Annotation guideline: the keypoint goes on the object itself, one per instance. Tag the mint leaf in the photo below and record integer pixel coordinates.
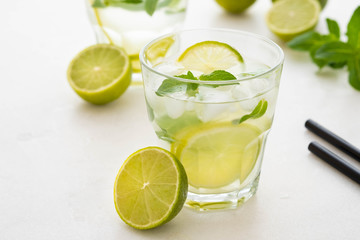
(305, 41)
(319, 62)
(217, 75)
(173, 85)
(115, 3)
(258, 112)
(98, 4)
(150, 6)
(353, 29)
(354, 72)
(333, 27)
(188, 75)
(191, 88)
(170, 86)
(335, 52)
(337, 65)
(164, 135)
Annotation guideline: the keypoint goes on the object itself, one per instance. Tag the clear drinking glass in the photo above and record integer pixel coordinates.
(133, 23)
(216, 128)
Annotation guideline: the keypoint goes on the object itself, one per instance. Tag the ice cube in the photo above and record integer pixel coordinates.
(213, 95)
(174, 108)
(209, 112)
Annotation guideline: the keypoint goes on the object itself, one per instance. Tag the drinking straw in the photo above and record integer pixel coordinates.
(335, 161)
(334, 139)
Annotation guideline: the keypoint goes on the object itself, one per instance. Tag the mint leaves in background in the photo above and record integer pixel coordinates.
(173, 85)
(148, 5)
(258, 112)
(329, 50)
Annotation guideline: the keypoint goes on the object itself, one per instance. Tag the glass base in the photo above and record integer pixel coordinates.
(230, 200)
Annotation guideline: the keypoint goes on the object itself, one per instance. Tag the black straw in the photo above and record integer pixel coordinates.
(334, 139)
(335, 161)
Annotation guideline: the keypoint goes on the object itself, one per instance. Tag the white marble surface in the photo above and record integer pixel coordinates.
(59, 155)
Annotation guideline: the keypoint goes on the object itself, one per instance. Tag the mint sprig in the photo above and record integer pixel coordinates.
(148, 5)
(329, 50)
(173, 85)
(258, 112)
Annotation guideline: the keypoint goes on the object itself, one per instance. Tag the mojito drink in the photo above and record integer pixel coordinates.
(212, 106)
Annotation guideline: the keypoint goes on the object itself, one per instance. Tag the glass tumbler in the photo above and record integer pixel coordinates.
(217, 128)
(132, 23)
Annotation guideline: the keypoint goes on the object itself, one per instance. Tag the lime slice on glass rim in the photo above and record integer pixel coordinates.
(100, 73)
(215, 155)
(290, 18)
(150, 188)
(209, 56)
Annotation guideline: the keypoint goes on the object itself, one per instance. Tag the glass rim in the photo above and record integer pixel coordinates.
(279, 62)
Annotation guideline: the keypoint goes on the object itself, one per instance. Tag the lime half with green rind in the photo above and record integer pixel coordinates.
(100, 74)
(235, 6)
(150, 188)
(290, 18)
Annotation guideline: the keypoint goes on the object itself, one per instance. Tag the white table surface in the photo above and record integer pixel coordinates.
(59, 155)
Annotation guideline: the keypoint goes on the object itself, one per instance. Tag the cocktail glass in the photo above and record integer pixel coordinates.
(132, 23)
(217, 128)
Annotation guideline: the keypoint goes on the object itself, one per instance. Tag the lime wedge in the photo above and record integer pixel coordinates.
(216, 155)
(100, 73)
(290, 18)
(209, 56)
(150, 188)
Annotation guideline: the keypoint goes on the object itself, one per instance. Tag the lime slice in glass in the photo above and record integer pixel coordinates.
(216, 155)
(290, 18)
(100, 74)
(158, 50)
(150, 188)
(209, 56)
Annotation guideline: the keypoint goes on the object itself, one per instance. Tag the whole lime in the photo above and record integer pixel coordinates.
(235, 6)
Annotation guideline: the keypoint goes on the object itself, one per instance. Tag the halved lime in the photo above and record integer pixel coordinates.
(100, 73)
(236, 6)
(216, 155)
(209, 56)
(150, 188)
(322, 2)
(290, 18)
